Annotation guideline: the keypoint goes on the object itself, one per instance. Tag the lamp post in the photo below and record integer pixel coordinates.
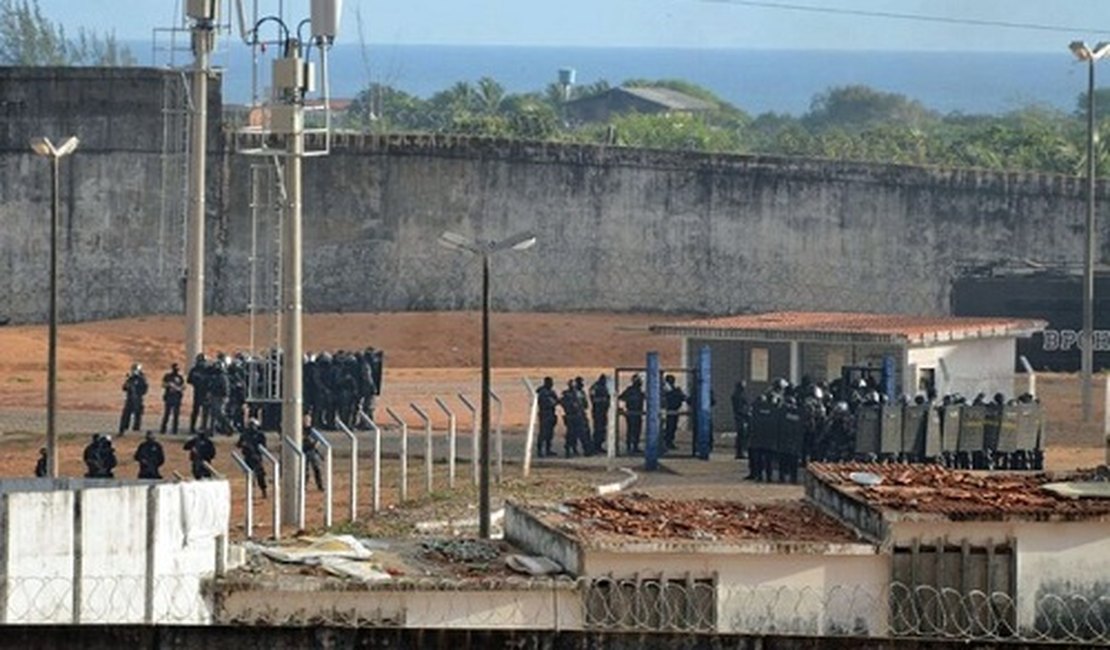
(44, 147)
(1091, 56)
(485, 249)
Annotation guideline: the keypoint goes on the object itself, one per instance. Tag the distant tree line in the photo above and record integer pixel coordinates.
(844, 123)
(28, 38)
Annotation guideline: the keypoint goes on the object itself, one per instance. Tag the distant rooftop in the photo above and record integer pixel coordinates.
(672, 99)
(856, 327)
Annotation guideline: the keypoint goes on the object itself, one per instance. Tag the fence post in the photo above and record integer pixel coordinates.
(377, 486)
(353, 467)
(473, 437)
(500, 438)
(429, 451)
(327, 474)
(276, 465)
(404, 452)
(612, 440)
(249, 474)
(530, 435)
(452, 441)
(1031, 376)
(299, 455)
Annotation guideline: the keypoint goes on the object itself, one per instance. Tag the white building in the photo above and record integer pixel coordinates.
(952, 355)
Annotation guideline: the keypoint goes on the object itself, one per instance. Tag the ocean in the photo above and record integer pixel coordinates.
(757, 81)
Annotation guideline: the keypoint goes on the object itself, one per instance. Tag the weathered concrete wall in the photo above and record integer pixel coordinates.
(120, 238)
(634, 230)
(618, 228)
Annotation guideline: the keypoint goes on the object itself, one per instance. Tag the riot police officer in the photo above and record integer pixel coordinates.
(600, 399)
(100, 457)
(741, 416)
(150, 457)
(173, 389)
(634, 399)
(251, 442)
(134, 388)
(198, 379)
(674, 398)
(573, 416)
(546, 401)
(311, 450)
(201, 453)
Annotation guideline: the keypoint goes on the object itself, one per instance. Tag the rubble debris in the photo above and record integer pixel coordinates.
(533, 565)
(935, 489)
(643, 517)
(461, 551)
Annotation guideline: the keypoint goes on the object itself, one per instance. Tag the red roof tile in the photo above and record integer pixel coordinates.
(891, 327)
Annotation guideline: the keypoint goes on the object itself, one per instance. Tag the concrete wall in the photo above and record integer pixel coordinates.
(618, 229)
(969, 367)
(1068, 561)
(102, 552)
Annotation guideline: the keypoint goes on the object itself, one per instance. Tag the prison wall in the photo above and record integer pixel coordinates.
(618, 229)
(630, 230)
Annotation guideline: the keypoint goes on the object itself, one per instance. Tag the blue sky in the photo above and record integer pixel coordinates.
(653, 23)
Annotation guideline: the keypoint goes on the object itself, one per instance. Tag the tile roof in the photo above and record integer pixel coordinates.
(959, 495)
(852, 326)
(638, 517)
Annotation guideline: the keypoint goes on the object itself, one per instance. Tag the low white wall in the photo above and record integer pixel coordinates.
(38, 541)
(120, 553)
(788, 593)
(968, 367)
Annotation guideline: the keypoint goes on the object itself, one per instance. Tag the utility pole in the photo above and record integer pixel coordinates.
(204, 14)
(292, 77)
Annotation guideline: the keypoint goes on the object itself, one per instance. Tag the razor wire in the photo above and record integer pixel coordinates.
(682, 605)
(98, 600)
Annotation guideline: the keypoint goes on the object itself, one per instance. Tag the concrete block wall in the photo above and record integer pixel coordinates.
(618, 229)
(106, 552)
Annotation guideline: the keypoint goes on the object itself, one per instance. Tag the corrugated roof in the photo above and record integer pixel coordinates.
(672, 99)
(893, 328)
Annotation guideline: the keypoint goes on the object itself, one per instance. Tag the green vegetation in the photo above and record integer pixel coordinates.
(843, 123)
(27, 37)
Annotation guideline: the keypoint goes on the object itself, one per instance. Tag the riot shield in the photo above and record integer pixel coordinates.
(972, 429)
(934, 437)
(1008, 427)
(890, 430)
(792, 433)
(950, 427)
(1028, 426)
(992, 426)
(914, 418)
(868, 424)
(762, 428)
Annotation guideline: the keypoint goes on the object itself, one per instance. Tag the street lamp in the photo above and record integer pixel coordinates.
(44, 147)
(485, 249)
(1091, 56)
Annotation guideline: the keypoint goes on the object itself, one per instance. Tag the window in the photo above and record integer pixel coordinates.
(761, 364)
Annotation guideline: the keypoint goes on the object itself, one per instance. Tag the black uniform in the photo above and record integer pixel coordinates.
(599, 411)
(150, 457)
(634, 399)
(311, 449)
(546, 401)
(198, 379)
(574, 418)
(173, 389)
(219, 390)
(251, 442)
(100, 458)
(201, 451)
(40, 466)
(134, 388)
(674, 398)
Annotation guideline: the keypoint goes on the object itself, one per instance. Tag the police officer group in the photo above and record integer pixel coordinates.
(586, 414)
(787, 426)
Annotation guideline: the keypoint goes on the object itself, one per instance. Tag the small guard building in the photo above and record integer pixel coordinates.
(950, 354)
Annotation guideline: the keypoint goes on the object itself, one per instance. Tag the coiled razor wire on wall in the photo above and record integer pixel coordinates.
(103, 600)
(604, 604)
